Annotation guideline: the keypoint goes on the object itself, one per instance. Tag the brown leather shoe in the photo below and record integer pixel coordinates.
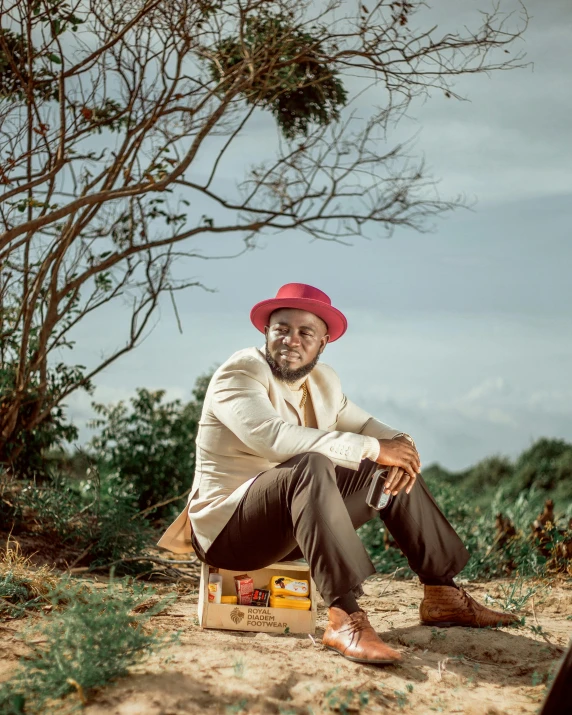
(444, 606)
(353, 637)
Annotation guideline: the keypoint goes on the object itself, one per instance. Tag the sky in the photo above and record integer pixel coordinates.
(462, 336)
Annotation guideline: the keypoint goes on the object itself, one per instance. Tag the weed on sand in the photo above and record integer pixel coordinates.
(96, 637)
(22, 587)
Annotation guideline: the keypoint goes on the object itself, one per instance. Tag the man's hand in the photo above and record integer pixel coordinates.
(396, 480)
(403, 459)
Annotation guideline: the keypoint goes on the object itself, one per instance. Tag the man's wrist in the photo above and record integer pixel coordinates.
(406, 436)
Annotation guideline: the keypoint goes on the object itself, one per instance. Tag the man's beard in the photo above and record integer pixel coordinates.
(285, 374)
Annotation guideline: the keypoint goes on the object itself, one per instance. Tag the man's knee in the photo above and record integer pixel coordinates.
(313, 470)
(317, 463)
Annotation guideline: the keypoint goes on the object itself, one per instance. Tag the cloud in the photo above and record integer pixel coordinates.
(490, 387)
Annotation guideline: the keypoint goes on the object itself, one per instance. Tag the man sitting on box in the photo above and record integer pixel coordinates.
(284, 462)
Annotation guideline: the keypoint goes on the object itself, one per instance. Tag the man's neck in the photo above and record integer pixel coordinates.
(295, 386)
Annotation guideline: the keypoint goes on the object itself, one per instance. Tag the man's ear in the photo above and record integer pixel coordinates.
(327, 339)
(266, 329)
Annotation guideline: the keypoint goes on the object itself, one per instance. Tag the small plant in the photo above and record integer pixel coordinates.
(22, 587)
(515, 595)
(401, 698)
(346, 700)
(439, 635)
(92, 641)
(238, 667)
(439, 705)
(471, 680)
(539, 631)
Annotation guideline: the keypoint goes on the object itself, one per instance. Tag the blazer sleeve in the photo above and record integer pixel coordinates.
(352, 418)
(240, 401)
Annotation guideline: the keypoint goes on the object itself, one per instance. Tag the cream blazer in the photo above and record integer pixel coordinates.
(250, 423)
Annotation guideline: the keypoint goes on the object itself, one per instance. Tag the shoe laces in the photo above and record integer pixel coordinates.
(469, 601)
(359, 621)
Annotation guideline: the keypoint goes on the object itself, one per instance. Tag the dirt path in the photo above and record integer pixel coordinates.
(455, 670)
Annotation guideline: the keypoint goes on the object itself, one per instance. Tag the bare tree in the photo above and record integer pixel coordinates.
(105, 107)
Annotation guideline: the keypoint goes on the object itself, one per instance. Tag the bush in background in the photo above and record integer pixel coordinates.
(90, 517)
(144, 455)
(32, 403)
(546, 466)
(502, 532)
(148, 451)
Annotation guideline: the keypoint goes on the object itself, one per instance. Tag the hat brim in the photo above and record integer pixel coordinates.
(332, 317)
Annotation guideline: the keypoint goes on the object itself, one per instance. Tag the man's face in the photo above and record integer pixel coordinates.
(294, 341)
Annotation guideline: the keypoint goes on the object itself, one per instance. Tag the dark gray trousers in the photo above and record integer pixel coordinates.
(309, 508)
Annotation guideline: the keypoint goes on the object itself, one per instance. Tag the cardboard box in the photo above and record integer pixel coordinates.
(255, 618)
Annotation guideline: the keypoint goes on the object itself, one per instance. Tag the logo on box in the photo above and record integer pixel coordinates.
(237, 615)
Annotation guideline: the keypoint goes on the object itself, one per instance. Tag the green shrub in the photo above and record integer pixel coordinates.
(40, 422)
(95, 516)
(492, 472)
(472, 499)
(96, 638)
(118, 531)
(93, 500)
(17, 595)
(149, 450)
(490, 559)
(546, 465)
(436, 474)
(523, 553)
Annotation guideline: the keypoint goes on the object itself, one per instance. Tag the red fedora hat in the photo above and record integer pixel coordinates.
(302, 297)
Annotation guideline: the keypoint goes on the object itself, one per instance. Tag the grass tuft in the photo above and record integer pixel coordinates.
(22, 586)
(96, 638)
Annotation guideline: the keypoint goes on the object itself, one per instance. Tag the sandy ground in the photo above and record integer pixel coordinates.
(453, 670)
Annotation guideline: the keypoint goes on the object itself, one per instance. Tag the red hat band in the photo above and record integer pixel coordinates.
(302, 297)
